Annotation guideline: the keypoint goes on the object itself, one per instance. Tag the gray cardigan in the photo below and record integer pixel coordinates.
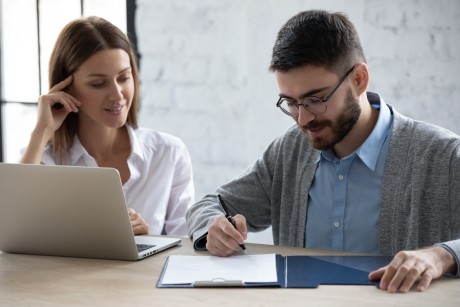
(420, 196)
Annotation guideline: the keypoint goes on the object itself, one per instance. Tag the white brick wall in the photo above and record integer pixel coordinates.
(205, 79)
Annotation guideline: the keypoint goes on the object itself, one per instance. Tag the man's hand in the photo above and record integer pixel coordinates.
(223, 239)
(140, 227)
(408, 267)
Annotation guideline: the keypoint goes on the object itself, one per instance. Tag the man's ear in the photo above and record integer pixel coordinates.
(360, 77)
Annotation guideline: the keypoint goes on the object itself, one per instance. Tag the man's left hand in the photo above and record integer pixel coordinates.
(408, 267)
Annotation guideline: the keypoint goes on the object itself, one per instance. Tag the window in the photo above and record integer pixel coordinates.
(29, 29)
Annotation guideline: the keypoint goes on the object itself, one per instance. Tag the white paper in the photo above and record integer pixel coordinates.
(247, 268)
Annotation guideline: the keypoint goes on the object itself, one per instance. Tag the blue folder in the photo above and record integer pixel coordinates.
(312, 271)
(307, 272)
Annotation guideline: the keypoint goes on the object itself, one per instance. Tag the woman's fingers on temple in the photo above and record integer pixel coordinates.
(62, 85)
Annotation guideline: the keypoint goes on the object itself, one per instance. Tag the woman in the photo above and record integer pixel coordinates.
(89, 118)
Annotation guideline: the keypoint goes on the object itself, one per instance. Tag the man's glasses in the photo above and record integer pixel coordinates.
(313, 104)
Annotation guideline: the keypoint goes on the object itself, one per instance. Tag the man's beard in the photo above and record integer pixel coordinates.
(343, 125)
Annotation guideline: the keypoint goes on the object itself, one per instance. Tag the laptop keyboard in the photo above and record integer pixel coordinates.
(143, 247)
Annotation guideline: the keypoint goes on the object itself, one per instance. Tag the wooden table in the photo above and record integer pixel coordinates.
(28, 280)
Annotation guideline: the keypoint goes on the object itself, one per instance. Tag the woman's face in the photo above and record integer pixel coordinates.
(105, 87)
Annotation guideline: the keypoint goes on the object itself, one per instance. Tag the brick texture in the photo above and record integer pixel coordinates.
(205, 78)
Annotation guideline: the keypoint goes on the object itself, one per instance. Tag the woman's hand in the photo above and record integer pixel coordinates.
(140, 227)
(54, 107)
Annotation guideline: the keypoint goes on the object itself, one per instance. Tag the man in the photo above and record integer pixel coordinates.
(352, 175)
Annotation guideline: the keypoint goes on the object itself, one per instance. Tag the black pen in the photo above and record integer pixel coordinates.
(229, 218)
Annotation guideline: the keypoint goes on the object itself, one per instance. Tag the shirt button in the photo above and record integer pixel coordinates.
(340, 177)
(336, 224)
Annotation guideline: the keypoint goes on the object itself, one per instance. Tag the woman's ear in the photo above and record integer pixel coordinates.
(361, 78)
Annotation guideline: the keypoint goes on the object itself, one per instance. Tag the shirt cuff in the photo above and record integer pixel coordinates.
(456, 257)
(200, 239)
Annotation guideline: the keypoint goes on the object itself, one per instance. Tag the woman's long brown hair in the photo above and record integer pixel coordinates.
(77, 42)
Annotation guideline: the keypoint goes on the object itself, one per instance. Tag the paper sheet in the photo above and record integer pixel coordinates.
(247, 268)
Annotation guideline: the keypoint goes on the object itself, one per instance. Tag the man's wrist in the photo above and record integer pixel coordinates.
(449, 264)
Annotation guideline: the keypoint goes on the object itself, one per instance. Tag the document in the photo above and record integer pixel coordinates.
(269, 270)
(247, 269)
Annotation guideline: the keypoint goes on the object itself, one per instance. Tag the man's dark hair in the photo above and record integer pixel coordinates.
(317, 38)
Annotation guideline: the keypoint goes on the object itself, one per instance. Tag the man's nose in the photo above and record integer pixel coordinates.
(305, 116)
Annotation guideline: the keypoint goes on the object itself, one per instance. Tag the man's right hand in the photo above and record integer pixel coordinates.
(223, 239)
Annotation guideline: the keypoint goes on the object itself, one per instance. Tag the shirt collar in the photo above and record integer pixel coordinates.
(135, 143)
(78, 152)
(369, 151)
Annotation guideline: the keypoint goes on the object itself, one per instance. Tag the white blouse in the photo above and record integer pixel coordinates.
(161, 185)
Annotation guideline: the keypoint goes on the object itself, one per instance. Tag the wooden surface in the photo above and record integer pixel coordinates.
(27, 280)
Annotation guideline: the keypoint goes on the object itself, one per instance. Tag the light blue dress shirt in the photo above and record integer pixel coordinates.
(344, 199)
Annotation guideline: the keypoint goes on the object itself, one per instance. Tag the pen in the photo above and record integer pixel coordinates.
(229, 218)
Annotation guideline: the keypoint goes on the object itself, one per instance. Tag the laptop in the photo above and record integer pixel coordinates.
(69, 211)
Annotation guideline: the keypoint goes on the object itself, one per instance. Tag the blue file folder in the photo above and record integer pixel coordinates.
(306, 272)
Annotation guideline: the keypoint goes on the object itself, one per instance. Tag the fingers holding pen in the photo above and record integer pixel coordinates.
(223, 238)
(240, 225)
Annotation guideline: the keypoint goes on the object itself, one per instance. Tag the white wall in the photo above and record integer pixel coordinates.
(205, 79)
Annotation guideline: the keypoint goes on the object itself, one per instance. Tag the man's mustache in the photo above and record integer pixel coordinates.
(314, 125)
